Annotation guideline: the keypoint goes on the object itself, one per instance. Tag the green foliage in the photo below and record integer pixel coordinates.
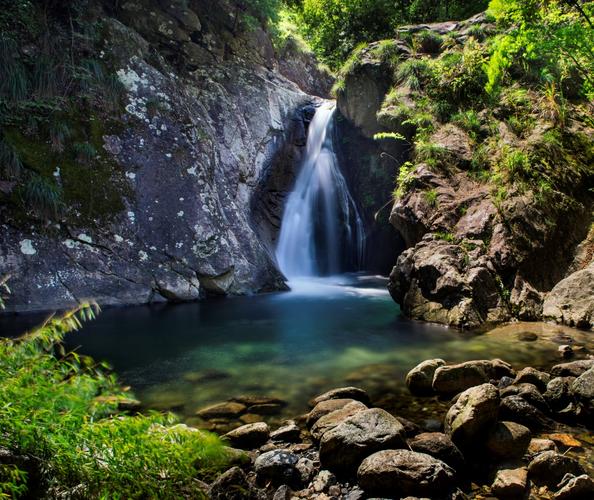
(62, 408)
(11, 165)
(85, 152)
(405, 180)
(381, 136)
(431, 197)
(445, 236)
(414, 73)
(59, 132)
(14, 84)
(428, 42)
(468, 120)
(42, 196)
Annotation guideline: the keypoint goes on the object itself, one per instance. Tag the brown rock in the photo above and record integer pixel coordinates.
(335, 418)
(510, 483)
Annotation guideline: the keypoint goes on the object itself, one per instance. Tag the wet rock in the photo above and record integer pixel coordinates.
(582, 389)
(578, 488)
(289, 433)
(278, 467)
(368, 431)
(558, 394)
(517, 409)
(324, 480)
(510, 483)
(231, 485)
(420, 379)
(325, 407)
(527, 336)
(228, 409)
(342, 393)
(538, 446)
(406, 472)
(473, 414)
(507, 440)
(505, 382)
(572, 369)
(532, 376)
(550, 467)
(566, 440)
(449, 380)
(335, 418)
(306, 469)
(249, 436)
(439, 446)
(529, 392)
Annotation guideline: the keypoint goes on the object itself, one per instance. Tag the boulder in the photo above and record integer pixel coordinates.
(528, 392)
(582, 389)
(507, 440)
(231, 485)
(550, 467)
(439, 446)
(278, 467)
(558, 394)
(420, 379)
(306, 469)
(571, 301)
(406, 472)
(517, 409)
(572, 487)
(325, 407)
(323, 481)
(228, 409)
(289, 433)
(538, 446)
(368, 431)
(572, 369)
(342, 393)
(473, 414)
(532, 376)
(510, 483)
(449, 380)
(249, 437)
(335, 418)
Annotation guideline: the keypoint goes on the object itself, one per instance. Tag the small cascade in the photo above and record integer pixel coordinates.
(321, 233)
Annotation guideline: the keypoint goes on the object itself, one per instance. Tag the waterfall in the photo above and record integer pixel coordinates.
(321, 232)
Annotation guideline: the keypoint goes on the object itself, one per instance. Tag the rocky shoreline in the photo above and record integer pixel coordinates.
(506, 434)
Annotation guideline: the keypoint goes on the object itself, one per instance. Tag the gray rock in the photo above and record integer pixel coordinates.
(507, 440)
(439, 446)
(368, 431)
(558, 394)
(278, 467)
(449, 380)
(228, 409)
(342, 393)
(510, 483)
(231, 485)
(306, 470)
(323, 481)
(573, 368)
(517, 409)
(289, 433)
(532, 376)
(550, 467)
(583, 389)
(248, 437)
(528, 392)
(473, 414)
(578, 488)
(325, 407)
(335, 418)
(420, 379)
(282, 493)
(406, 472)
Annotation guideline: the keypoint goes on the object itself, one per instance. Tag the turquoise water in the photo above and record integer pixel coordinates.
(324, 334)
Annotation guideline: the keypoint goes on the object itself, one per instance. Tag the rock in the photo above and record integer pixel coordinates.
(306, 470)
(507, 440)
(406, 472)
(449, 380)
(566, 351)
(558, 394)
(420, 379)
(505, 382)
(528, 392)
(566, 440)
(439, 446)
(572, 487)
(289, 433)
(323, 481)
(535, 377)
(573, 368)
(278, 467)
(342, 393)
(367, 431)
(473, 414)
(571, 301)
(538, 446)
(282, 493)
(249, 436)
(325, 407)
(228, 409)
(231, 485)
(333, 419)
(517, 409)
(527, 336)
(582, 389)
(550, 467)
(510, 483)
(410, 428)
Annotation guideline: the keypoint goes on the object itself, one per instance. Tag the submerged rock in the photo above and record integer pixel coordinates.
(368, 431)
(406, 472)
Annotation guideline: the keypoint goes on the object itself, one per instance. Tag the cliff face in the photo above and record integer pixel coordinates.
(482, 243)
(163, 208)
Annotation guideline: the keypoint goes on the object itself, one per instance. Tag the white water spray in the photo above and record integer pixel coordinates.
(320, 223)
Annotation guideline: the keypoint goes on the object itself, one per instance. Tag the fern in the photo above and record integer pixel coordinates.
(14, 84)
(42, 196)
(11, 165)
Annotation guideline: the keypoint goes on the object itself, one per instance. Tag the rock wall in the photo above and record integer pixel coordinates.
(207, 115)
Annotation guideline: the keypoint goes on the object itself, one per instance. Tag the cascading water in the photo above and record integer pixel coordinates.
(321, 232)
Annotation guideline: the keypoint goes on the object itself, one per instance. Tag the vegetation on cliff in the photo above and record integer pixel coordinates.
(63, 428)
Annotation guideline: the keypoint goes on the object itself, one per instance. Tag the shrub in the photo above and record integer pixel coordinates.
(414, 73)
(431, 197)
(405, 180)
(428, 42)
(11, 165)
(85, 152)
(42, 196)
(14, 84)
(468, 120)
